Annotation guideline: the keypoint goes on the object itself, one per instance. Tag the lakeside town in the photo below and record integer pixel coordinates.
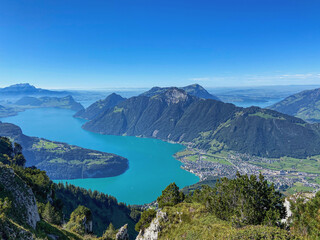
(206, 165)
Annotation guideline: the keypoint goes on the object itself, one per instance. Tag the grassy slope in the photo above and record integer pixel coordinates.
(192, 221)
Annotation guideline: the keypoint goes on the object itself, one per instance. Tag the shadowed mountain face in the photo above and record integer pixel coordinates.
(211, 125)
(63, 161)
(193, 90)
(305, 105)
(100, 107)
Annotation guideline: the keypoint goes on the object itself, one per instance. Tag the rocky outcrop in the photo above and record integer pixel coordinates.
(9, 230)
(193, 90)
(123, 233)
(87, 224)
(152, 232)
(307, 196)
(21, 195)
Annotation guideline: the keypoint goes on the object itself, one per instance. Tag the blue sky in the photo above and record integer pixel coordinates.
(142, 43)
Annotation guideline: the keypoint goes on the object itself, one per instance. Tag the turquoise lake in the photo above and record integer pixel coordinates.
(151, 163)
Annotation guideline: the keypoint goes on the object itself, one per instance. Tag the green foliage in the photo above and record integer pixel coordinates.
(135, 214)
(79, 219)
(243, 201)
(145, 220)
(192, 221)
(44, 228)
(11, 155)
(170, 196)
(262, 232)
(38, 180)
(50, 215)
(5, 146)
(5, 206)
(305, 219)
(19, 160)
(105, 208)
(110, 233)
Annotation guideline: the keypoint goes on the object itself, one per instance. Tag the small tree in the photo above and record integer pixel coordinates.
(19, 160)
(50, 215)
(245, 200)
(80, 220)
(5, 206)
(305, 218)
(110, 233)
(17, 148)
(170, 196)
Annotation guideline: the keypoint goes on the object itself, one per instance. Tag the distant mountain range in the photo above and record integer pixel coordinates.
(42, 102)
(63, 161)
(27, 89)
(63, 102)
(172, 114)
(100, 107)
(193, 90)
(305, 105)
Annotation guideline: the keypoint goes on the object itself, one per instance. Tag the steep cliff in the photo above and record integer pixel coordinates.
(22, 212)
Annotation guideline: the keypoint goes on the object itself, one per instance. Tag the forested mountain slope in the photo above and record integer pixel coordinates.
(33, 207)
(174, 115)
(99, 107)
(58, 102)
(305, 105)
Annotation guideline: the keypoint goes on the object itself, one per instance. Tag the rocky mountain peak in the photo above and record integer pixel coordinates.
(175, 95)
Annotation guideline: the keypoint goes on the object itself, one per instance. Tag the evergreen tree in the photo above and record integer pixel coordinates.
(244, 200)
(5, 206)
(19, 160)
(80, 220)
(50, 215)
(110, 233)
(305, 218)
(170, 196)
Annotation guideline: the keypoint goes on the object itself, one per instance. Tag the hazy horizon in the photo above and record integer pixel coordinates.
(146, 88)
(125, 44)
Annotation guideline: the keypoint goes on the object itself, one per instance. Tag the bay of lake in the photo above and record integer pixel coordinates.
(151, 163)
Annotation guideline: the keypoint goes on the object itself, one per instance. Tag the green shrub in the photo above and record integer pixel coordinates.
(49, 213)
(170, 196)
(145, 220)
(305, 219)
(110, 233)
(79, 219)
(243, 201)
(262, 232)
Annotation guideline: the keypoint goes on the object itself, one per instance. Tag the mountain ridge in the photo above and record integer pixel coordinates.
(99, 107)
(66, 102)
(209, 125)
(193, 90)
(305, 105)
